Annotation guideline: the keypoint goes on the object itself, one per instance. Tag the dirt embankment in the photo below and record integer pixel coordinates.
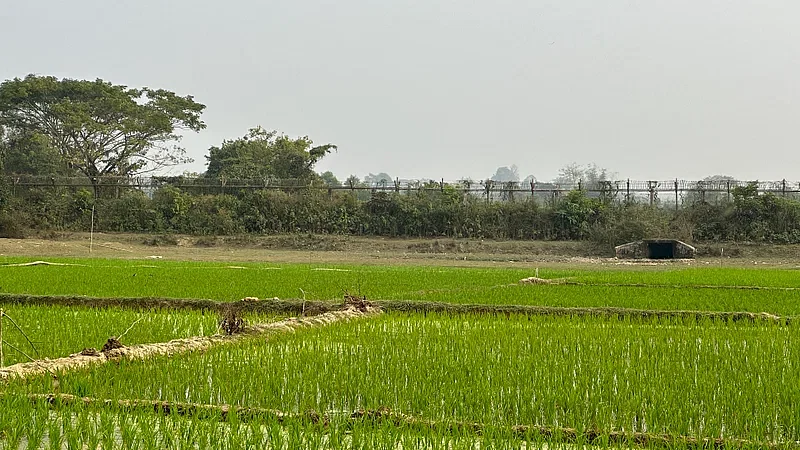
(318, 308)
(91, 357)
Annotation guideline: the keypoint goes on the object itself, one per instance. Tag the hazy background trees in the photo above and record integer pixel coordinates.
(590, 174)
(381, 179)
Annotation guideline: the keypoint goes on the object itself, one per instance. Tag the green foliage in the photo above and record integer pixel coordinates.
(10, 226)
(98, 128)
(90, 327)
(587, 373)
(132, 212)
(30, 153)
(262, 154)
(330, 179)
(430, 210)
(630, 223)
(575, 215)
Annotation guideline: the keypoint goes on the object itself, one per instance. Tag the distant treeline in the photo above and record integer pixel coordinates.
(448, 212)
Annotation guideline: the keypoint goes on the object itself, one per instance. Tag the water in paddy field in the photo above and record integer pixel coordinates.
(155, 431)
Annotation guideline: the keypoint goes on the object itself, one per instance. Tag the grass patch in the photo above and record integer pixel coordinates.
(58, 331)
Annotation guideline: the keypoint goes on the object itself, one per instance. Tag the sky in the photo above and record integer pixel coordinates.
(430, 89)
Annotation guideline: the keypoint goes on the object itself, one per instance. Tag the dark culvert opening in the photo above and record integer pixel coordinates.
(660, 250)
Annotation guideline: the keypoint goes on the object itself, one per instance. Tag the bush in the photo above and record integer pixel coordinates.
(440, 212)
(10, 228)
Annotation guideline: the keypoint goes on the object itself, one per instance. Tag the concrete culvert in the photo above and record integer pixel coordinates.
(655, 249)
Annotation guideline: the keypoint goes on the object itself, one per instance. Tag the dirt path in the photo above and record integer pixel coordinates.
(334, 249)
(92, 357)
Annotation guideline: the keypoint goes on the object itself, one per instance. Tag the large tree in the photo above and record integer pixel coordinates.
(98, 128)
(266, 154)
(26, 153)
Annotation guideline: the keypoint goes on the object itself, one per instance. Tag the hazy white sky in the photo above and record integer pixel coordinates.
(651, 89)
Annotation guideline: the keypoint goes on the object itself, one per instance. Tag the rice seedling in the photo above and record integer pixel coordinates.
(679, 377)
(654, 289)
(56, 331)
(110, 427)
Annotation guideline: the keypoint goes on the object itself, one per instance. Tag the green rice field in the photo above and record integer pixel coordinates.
(411, 379)
(53, 331)
(775, 291)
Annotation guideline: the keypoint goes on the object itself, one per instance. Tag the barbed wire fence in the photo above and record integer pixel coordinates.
(665, 193)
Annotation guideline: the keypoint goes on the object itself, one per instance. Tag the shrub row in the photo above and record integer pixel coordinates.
(450, 213)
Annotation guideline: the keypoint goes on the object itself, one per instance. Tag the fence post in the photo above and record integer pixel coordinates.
(442, 186)
(729, 190)
(651, 186)
(676, 195)
(783, 187)
(628, 191)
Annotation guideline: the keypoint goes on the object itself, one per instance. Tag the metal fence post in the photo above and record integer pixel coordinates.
(676, 195)
(628, 191)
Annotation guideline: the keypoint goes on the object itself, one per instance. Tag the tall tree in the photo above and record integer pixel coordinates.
(266, 154)
(99, 128)
(25, 153)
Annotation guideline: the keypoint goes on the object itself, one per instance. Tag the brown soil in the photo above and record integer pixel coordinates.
(232, 321)
(111, 344)
(176, 346)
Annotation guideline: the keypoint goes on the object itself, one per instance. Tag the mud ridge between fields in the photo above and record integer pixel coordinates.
(611, 312)
(679, 286)
(178, 346)
(315, 308)
(385, 415)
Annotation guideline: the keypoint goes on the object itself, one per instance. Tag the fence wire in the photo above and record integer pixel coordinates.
(663, 192)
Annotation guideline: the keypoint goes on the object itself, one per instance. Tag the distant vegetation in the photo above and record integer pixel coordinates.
(96, 130)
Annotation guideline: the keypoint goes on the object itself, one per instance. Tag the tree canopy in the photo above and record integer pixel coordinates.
(382, 178)
(27, 153)
(96, 127)
(506, 174)
(591, 174)
(264, 154)
(330, 179)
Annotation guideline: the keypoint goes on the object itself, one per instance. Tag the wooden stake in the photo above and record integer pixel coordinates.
(1, 338)
(91, 231)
